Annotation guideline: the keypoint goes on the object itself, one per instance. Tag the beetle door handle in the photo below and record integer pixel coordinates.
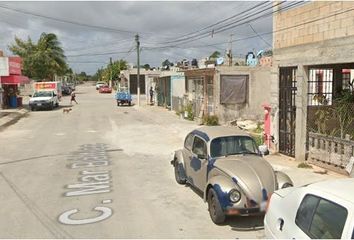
(280, 224)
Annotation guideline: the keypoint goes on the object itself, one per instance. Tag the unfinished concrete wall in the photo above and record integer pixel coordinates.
(316, 21)
(258, 93)
(324, 35)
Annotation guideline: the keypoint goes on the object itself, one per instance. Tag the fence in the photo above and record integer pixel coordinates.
(329, 152)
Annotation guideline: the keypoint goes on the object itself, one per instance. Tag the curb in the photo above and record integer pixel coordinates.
(12, 118)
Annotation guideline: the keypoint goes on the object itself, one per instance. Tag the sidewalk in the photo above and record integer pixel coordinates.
(10, 116)
(288, 165)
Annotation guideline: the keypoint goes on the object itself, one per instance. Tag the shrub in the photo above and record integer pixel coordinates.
(211, 120)
(258, 138)
(189, 110)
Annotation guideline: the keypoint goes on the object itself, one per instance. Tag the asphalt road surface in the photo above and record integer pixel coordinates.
(101, 171)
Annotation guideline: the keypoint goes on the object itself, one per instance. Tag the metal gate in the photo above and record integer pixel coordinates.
(287, 110)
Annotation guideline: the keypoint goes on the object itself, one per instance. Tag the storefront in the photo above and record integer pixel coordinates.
(10, 80)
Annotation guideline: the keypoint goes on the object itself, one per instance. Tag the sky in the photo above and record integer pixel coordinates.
(107, 29)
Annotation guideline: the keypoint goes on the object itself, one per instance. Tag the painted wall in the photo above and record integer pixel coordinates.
(258, 94)
(178, 90)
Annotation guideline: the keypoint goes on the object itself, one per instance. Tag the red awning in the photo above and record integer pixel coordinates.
(14, 79)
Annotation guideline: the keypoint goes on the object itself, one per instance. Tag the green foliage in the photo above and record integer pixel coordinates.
(146, 66)
(111, 70)
(304, 165)
(211, 120)
(166, 63)
(189, 110)
(259, 128)
(344, 110)
(258, 138)
(322, 116)
(41, 60)
(215, 55)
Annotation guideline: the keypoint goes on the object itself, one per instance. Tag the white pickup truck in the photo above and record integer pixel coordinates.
(44, 99)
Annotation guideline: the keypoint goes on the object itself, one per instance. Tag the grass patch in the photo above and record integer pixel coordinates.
(304, 165)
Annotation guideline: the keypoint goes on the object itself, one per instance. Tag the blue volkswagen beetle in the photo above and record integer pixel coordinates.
(225, 164)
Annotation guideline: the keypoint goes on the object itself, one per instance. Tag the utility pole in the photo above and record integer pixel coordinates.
(110, 81)
(230, 51)
(138, 63)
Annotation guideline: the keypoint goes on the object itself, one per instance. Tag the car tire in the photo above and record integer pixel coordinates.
(129, 103)
(32, 109)
(179, 172)
(217, 215)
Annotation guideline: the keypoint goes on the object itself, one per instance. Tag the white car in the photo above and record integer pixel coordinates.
(319, 210)
(100, 84)
(43, 99)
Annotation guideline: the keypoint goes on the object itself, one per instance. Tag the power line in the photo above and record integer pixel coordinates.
(217, 23)
(259, 36)
(67, 21)
(212, 31)
(96, 54)
(108, 43)
(232, 25)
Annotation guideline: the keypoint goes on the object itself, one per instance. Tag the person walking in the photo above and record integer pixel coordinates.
(151, 95)
(73, 97)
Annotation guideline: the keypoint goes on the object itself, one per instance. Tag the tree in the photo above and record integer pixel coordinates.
(41, 60)
(215, 55)
(146, 66)
(166, 63)
(104, 74)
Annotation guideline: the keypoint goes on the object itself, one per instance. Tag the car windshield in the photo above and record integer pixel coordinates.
(42, 94)
(233, 145)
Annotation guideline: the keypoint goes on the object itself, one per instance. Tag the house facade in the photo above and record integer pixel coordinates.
(313, 55)
(129, 78)
(170, 89)
(230, 93)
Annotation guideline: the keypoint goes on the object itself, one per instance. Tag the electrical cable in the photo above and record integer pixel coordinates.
(260, 36)
(212, 31)
(66, 21)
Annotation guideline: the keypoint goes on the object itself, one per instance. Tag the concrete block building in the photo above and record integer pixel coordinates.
(313, 52)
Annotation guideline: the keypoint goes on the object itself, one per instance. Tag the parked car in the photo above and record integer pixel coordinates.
(44, 100)
(123, 96)
(319, 210)
(100, 84)
(225, 165)
(66, 90)
(71, 86)
(105, 89)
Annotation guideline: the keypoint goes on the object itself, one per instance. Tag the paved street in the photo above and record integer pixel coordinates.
(49, 159)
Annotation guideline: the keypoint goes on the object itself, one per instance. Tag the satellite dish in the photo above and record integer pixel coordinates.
(219, 60)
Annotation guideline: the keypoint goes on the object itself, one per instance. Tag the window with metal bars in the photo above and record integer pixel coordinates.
(320, 87)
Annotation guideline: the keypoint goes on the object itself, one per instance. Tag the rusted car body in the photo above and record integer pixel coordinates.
(225, 164)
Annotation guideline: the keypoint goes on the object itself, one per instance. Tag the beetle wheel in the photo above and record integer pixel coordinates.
(217, 215)
(178, 172)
